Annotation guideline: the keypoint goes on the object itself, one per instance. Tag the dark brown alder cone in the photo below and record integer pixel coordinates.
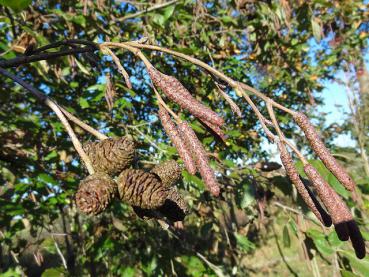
(294, 176)
(111, 155)
(323, 153)
(95, 193)
(180, 95)
(175, 207)
(341, 216)
(169, 172)
(141, 189)
(200, 156)
(172, 131)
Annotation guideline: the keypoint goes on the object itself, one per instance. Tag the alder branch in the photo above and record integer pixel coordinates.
(52, 105)
(43, 56)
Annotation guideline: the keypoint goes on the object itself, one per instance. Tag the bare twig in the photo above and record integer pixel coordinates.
(60, 253)
(119, 66)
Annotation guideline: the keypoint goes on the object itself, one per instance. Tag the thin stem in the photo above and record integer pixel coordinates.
(161, 102)
(261, 118)
(281, 135)
(83, 125)
(52, 105)
(119, 66)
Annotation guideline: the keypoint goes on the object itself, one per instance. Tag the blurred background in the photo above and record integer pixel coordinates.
(310, 56)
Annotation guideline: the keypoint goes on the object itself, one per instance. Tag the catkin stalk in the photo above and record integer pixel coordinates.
(323, 153)
(307, 196)
(200, 156)
(171, 130)
(175, 91)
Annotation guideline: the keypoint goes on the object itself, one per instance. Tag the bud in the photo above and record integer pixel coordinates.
(141, 189)
(178, 143)
(95, 193)
(306, 195)
(175, 91)
(111, 155)
(323, 153)
(169, 172)
(200, 156)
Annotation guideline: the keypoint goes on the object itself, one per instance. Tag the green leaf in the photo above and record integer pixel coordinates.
(317, 31)
(83, 103)
(16, 5)
(54, 272)
(47, 179)
(359, 266)
(286, 237)
(51, 155)
(243, 243)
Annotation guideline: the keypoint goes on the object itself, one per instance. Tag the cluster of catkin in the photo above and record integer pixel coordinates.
(183, 137)
(153, 192)
(337, 211)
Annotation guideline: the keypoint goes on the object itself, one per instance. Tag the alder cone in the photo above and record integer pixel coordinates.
(169, 172)
(176, 92)
(141, 189)
(95, 193)
(111, 155)
(323, 153)
(172, 131)
(175, 207)
(305, 194)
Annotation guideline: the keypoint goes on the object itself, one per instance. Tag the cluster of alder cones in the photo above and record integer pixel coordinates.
(150, 193)
(195, 159)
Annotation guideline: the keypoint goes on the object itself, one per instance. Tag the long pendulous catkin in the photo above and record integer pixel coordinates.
(200, 156)
(172, 131)
(321, 150)
(294, 176)
(341, 216)
(175, 91)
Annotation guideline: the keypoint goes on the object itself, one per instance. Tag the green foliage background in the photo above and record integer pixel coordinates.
(259, 227)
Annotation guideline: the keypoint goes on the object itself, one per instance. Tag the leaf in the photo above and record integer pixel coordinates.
(16, 5)
(54, 272)
(359, 266)
(83, 103)
(286, 237)
(51, 155)
(243, 243)
(317, 31)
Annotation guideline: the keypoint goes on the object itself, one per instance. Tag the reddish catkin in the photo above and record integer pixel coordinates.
(200, 156)
(321, 150)
(342, 218)
(172, 131)
(294, 176)
(175, 91)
